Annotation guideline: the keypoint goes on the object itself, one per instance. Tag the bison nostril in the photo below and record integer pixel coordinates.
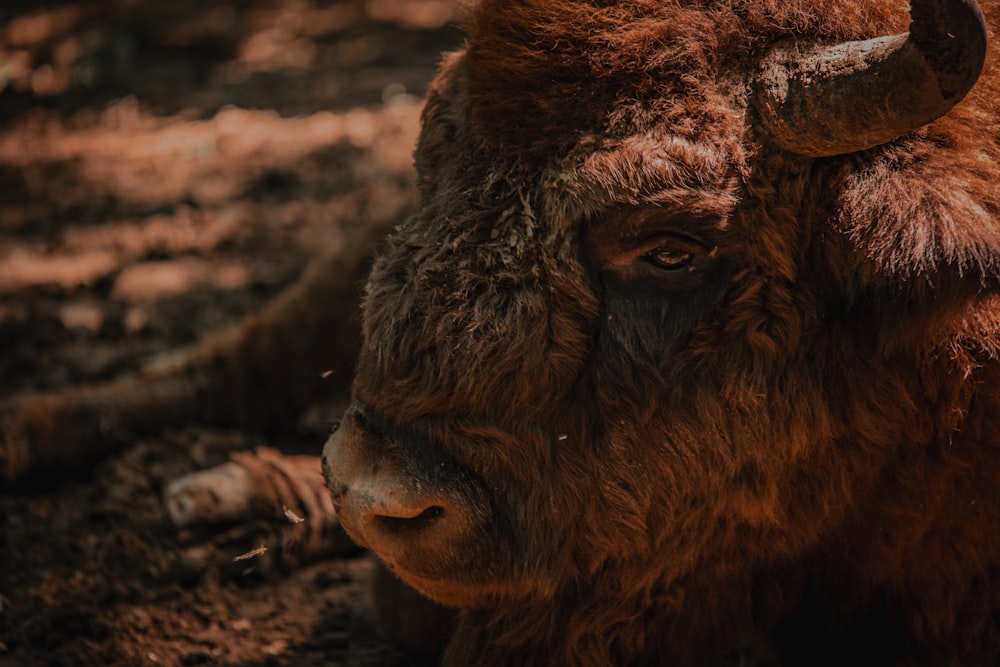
(386, 500)
(418, 522)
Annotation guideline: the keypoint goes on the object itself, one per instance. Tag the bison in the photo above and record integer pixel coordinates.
(688, 353)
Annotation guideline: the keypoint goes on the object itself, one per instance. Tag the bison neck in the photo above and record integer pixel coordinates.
(868, 584)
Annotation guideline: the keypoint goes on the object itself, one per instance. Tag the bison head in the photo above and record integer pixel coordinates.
(676, 294)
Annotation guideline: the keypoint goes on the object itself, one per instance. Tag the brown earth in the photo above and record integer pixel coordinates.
(165, 169)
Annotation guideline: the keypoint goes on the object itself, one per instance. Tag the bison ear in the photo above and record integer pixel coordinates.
(922, 216)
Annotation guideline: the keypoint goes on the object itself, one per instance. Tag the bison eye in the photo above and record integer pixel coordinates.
(670, 258)
(663, 262)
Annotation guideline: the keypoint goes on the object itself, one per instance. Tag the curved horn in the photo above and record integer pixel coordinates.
(831, 100)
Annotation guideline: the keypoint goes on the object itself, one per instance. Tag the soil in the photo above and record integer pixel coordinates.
(165, 169)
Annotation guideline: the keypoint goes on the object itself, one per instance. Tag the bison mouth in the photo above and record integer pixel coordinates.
(426, 516)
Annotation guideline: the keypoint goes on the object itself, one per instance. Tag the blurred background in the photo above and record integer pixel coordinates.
(166, 167)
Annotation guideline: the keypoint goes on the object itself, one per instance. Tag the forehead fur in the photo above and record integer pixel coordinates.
(542, 70)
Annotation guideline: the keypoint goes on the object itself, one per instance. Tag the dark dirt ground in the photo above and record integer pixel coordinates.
(165, 169)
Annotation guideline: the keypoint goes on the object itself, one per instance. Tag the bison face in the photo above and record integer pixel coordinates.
(512, 387)
(531, 344)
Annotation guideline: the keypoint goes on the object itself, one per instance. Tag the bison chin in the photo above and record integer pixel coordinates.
(429, 519)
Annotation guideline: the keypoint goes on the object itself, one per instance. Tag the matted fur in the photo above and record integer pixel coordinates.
(792, 458)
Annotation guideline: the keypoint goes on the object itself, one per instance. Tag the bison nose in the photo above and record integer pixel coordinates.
(386, 497)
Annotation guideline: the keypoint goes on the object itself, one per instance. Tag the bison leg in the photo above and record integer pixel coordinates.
(263, 372)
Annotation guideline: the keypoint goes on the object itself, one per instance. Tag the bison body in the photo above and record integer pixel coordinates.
(659, 372)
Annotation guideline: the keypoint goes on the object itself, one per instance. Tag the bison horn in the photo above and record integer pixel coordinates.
(831, 100)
